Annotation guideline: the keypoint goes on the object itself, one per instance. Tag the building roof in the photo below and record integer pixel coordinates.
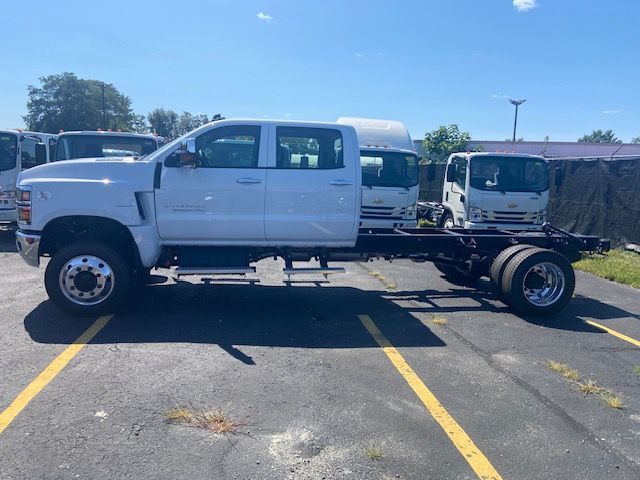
(551, 149)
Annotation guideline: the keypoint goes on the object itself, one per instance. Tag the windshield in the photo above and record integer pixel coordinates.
(89, 146)
(388, 169)
(514, 174)
(8, 151)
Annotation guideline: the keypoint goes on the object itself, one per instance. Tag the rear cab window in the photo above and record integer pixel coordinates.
(308, 148)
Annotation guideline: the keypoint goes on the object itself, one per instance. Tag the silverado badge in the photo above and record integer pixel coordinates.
(377, 201)
(511, 205)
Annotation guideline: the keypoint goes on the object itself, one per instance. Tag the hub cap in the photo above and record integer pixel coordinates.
(543, 284)
(86, 280)
(448, 223)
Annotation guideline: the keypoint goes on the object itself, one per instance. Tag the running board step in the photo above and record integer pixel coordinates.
(323, 271)
(214, 270)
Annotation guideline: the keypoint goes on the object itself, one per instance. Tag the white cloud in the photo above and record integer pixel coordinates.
(359, 55)
(265, 17)
(287, 115)
(525, 5)
(502, 97)
(611, 112)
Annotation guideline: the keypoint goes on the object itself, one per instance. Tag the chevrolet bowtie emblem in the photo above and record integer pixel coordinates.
(377, 201)
(511, 205)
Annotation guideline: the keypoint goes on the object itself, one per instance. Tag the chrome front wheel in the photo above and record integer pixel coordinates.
(86, 280)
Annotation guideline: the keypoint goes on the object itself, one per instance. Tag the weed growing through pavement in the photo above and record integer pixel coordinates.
(437, 320)
(587, 387)
(215, 421)
(636, 369)
(374, 453)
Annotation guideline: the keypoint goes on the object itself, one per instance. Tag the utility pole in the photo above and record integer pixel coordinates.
(104, 109)
(517, 103)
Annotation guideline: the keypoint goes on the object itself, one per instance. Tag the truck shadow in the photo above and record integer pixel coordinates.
(235, 315)
(7, 237)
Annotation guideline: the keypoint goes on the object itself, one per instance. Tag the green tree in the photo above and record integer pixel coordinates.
(599, 136)
(66, 102)
(445, 140)
(164, 123)
(188, 122)
(635, 139)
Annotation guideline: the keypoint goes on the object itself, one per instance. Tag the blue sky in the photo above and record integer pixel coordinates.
(577, 62)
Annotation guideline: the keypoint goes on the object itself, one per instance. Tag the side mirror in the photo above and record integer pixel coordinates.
(559, 174)
(431, 172)
(187, 154)
(451, 173)
(41, 153)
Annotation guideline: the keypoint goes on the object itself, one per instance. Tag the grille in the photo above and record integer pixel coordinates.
(384, 213)
(509, 217)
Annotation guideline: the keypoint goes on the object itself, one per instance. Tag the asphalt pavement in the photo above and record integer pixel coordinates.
(453, 385)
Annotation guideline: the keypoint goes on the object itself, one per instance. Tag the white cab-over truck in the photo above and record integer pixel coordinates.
(505, 191)
(234, 192)
(389, 173)
(19, 150)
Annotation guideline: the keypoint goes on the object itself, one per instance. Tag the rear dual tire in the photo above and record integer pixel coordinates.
(535, 281)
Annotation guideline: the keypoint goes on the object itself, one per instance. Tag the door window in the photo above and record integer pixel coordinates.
(235, 146)
(28, 152)
(309, 148)
(461, 172)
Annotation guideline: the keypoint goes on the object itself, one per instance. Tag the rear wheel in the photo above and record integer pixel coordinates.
(538, 282)
(87, 278)
(500, 263)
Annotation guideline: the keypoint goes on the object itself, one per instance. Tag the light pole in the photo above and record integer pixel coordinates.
(517, 103)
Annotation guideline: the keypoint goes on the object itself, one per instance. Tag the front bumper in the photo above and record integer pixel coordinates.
(28, 245)
(502, 226)
(8, 215)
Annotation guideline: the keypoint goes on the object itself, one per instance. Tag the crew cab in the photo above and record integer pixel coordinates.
(234, 192)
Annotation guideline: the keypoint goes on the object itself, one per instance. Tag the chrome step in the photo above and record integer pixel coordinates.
(180, 271)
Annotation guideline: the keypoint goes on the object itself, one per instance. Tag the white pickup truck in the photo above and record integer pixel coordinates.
(234, 192)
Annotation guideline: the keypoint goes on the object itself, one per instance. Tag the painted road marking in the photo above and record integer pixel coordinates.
(611, 331)
(472, 454)
(49, 373)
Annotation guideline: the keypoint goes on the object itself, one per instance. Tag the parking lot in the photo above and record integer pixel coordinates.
(387, 371)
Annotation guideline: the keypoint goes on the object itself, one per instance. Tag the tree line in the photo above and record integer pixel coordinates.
(66, 102)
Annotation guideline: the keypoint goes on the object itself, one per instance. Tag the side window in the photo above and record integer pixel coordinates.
(461, 171)
(234, 146)
(308, 148)
(52, 148)
(28, 152)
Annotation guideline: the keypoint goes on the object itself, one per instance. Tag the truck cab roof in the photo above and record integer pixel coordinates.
(375, 133)
(469, 155)
(111, 134)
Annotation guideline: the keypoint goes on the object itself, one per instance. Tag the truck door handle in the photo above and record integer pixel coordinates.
(340, 183)
(248, 181)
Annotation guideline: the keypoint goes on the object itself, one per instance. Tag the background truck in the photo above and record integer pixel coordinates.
(19, 150)
(234, 192)
(496, 191)
(389, 173)
(94, 144)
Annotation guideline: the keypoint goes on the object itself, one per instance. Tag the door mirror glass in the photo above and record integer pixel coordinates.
(186, 156)
(558, 176)
(431, 172)
(41, 153)
(451, 172)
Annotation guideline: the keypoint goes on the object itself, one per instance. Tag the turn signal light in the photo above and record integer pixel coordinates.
(24, 214)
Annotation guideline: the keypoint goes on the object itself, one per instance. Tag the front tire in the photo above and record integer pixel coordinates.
(446, 221)
(87, 278)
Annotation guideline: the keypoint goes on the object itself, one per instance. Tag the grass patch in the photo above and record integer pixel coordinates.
(636, 369)
(590, 387)
(215, 421)
(612, 400)
(374, 453)
(563, 369)
(424, 223)
(439, 320)
(618, 265)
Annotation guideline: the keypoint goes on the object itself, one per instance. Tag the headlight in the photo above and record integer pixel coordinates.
(24, 194)
(410, 212)
(542, 217)
(23, 204)
(475, 214)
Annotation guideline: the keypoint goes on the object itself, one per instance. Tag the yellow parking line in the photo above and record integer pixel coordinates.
(49, 373)
(611, 331)
(472, 454)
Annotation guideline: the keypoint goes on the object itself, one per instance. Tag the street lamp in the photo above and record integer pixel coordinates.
(517, 103)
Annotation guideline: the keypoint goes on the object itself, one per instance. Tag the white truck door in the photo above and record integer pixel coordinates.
(455, 191)
(221, 200)
(313, 186)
